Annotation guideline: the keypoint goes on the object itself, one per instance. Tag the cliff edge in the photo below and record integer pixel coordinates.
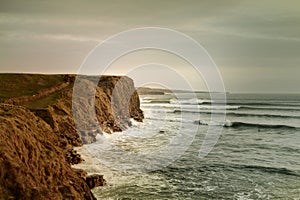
(38, 134)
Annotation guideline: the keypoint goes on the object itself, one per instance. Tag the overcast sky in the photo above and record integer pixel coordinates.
(255, 44)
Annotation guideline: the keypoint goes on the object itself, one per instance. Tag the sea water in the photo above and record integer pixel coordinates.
(257, 155)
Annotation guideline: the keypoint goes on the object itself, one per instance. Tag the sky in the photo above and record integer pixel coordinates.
(255, 44)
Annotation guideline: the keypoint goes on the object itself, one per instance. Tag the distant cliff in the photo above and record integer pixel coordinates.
(38, 133)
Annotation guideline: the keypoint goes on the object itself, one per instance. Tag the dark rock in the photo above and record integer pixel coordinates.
(72, 156)
(81, 173)
(88, 137)
(95, 181)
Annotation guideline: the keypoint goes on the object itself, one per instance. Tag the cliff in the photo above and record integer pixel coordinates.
(116, 102)
(38, 133)
(32, 166)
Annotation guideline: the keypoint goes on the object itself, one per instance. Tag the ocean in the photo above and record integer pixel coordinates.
(256, 156)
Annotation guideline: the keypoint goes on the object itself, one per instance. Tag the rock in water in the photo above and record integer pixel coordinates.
(95, 181)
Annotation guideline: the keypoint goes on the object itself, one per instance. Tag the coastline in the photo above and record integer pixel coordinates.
(37, 145)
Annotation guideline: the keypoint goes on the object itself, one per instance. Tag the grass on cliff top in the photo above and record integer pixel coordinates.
(14, 85)
(48, 100)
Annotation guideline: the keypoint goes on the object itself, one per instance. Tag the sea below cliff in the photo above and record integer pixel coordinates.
(256, 156)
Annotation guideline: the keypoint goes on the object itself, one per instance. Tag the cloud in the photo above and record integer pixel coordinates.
(67, 37)
(250, 35)
(50, 20)
(45, 36)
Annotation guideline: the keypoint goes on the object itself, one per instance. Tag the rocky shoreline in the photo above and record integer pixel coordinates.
(37, 143)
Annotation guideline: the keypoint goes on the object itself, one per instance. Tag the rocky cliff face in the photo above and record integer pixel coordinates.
(115, 103)
(36, 143)
(32, 166)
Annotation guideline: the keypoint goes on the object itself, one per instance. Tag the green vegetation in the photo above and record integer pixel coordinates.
(48, 100)
(14, 85)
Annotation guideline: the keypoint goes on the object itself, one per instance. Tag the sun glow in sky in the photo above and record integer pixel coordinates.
(255, 44)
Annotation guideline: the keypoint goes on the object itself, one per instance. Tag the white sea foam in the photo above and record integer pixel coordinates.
(242, 144)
